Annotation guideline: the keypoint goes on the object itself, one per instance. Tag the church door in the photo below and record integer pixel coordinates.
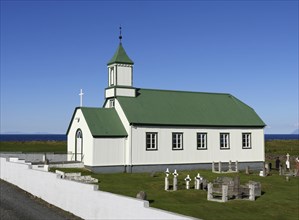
(79, 146)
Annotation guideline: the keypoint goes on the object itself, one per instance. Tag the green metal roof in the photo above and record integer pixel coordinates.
(120, 56)
(103, 122)
(162, 107)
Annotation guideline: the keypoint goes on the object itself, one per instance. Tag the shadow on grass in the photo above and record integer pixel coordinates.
(151, 201)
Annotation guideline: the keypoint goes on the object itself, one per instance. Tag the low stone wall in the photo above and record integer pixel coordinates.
(35, 157)
(83, 200)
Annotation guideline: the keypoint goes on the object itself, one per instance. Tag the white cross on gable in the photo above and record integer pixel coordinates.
(81, 97)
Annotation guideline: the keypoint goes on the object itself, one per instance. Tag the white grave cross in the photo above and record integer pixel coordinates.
(288, 161)
(81, 97)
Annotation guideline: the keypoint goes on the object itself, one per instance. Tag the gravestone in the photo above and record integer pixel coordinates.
(288, 165)
(247, 170)
(251, 192)
(153, 174)
(210, 191)
(277, 163)
(236, 189)
(166, 180)
(204, 184)
(267, 169)
(257, 188)
(141, 195)
(175, 180)
(187, 180)
(224, 193)
(198, 182)
(297, 167)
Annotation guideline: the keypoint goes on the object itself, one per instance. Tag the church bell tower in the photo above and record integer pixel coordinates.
(120, 74)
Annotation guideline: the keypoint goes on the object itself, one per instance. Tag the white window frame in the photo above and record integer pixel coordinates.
(177, 141)
(246, 140)
(224, 141)
(201, 139)
(151, 141)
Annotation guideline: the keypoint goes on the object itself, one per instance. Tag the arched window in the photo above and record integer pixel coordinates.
(79, 134)
(79, 146)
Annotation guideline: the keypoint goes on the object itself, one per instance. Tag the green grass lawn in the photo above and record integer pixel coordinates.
(282, 147)
(33, 146)
(279, 198)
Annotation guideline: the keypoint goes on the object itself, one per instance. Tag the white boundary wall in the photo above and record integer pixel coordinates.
(83, 200)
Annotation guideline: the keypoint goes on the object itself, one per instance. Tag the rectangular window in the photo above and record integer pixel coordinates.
(202, 141)
(224, 141)
(111, 76)
(177, 141)
(246, 140)
(151, 141)
(111, 103)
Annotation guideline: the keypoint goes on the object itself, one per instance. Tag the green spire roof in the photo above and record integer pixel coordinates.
(120, 56)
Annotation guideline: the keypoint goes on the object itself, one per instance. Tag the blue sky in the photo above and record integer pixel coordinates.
(52, 49)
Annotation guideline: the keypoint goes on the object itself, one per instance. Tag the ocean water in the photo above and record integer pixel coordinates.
(281, 137)
(33, 137)
(62, 137)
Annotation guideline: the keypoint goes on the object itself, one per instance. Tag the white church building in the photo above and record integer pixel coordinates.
(143, 130)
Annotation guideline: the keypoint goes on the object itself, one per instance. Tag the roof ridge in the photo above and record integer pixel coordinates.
(184, 91)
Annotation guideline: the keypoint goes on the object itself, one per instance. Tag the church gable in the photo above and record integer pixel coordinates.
(103, 122)
(162, 107)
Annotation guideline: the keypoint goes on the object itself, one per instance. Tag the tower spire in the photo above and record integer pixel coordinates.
(120, 36)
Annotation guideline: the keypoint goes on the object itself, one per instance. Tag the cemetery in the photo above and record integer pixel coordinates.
(187, 192)
(275, 192)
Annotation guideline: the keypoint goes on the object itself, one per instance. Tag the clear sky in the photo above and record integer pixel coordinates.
(52, 49)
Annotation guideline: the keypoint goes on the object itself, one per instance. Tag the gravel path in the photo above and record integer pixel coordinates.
(18, 204)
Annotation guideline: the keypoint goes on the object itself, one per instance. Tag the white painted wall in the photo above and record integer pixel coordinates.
(190, 154)
(128, 92)
(113, 92)
(87, 139)
(83, 200)
(109, 151)
(124, 75)
(109, 93)
(128, 140)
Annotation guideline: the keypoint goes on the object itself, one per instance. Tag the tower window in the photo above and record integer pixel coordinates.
(111, 76)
